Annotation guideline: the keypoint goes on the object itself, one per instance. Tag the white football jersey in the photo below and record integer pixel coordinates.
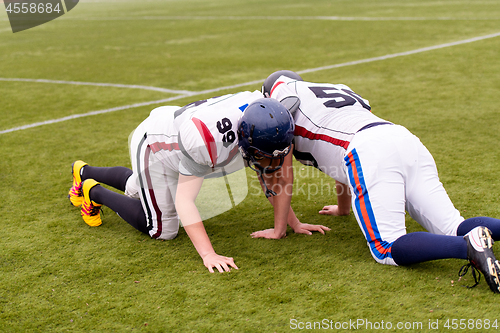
(328, 117)
(204, 132)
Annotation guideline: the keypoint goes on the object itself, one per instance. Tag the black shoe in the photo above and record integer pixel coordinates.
(480, 255)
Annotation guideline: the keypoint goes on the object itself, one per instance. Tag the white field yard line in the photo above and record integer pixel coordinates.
(401, 54)
(281, 18)
(115, 85)
(91, 113)
(184, 93)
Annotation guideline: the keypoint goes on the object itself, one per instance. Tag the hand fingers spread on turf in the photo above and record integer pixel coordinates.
(226, 264)
(322, 229)
(302, 231)
(268, 233)
(308, 228)
(329, 210)
(230, 262)
(257, 234)
(221, 263)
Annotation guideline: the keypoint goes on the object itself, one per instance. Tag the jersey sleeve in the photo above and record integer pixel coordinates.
(189, 167)
(198, 147)
(207, 132)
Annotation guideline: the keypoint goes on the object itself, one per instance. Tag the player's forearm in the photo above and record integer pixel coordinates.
(191, 220)
(187, 211)
(282, 183)
(343, 198)
(187, 191)
(280, 223)
(282, 208)
(293, 221)
(199, 238)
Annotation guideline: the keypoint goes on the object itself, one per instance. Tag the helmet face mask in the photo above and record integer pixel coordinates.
(265, 134)
(257, 158)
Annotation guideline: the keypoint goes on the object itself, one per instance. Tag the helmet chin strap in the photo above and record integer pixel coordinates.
(268, 193)
(261, 171)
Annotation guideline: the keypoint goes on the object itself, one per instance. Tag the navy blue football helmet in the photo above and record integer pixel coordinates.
(265, 131)
(271, 79)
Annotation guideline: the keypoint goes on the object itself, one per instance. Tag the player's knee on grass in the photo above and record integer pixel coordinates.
(167, 235)
(381, 251)
(384, 261)
(168, 229)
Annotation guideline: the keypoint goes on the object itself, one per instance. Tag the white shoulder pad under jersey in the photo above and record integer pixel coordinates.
(207, 131)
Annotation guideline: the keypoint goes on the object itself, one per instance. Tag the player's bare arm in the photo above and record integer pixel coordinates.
(201, 242)
(187, 191)
(343, 206)
(293, 221)
(281, 182)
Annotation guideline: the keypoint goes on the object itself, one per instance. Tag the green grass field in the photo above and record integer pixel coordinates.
(59, 275)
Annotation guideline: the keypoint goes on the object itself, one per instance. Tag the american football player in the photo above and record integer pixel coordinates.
(381, 170)
(171, 153)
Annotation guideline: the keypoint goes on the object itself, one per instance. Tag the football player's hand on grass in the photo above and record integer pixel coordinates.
(305, 228)
(223, 264)
(333, 210)
(299, 228)
(268, 233)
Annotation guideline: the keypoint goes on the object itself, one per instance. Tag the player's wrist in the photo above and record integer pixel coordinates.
(205, 255)
(294, 223)
(279, 233)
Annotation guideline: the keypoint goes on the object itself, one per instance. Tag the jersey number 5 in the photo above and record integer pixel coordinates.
(338, 98)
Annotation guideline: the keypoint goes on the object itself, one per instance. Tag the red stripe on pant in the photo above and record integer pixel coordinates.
(152, 193)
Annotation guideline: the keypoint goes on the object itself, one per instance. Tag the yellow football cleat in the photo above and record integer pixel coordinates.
(75, 192)
(91, 211)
